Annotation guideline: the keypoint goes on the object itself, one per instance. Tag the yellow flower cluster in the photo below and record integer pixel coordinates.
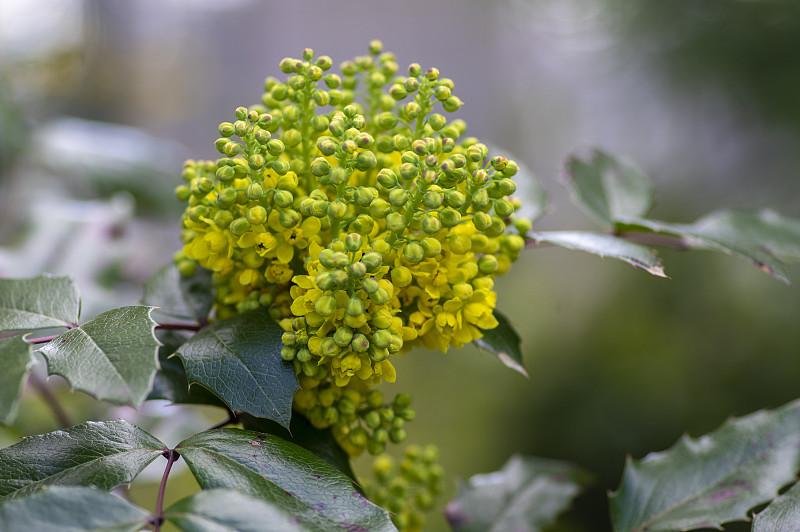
(366, 228)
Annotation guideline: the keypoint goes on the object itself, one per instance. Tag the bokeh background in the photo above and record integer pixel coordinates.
(101, 101)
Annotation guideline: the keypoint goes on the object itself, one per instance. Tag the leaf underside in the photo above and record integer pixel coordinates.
(16, 358)
(504, 342)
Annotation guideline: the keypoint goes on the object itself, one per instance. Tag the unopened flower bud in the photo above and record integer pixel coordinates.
(452, 104)
(320, 166)
(239, 226)
(395, 222)
(353, 242)
(487, 264)
(366, 160)
(257, 215)
(503, 208)
(431, 246)
(354, 307)
(449, 217)
(413, 252)
(431, 224)
(373, 261)
(360, 343)
(398, 197)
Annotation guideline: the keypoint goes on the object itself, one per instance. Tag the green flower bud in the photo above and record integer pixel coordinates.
(487, 264)
(480, 199)
(239, 226)
(442, 93)
(382, 338)
(187, 268)
(283, 198)
(507, 186)
(324, 280)
(401, 142)
(431, 224)
(379, 208)
(398, 92)
(413, 252)
(358, 270)
(280, 167)
(241, 113)
(452, 104)
(387, 178)
(522, 225)
(362, 225)
(398, 422)
(223, 219)
(327, 258)
(288, 218)
(337, 209)
(454, 198)
(386, 120)
(343, 336)
(304, 355)
(366, 160)
(354, 307)
(288, 353)
(449, 217)
(353, 242)
(253, 191)
(327, 146)
(397, 435)
(279, 92)
(398, 197)
(225, 198)
(376, 448)
(288, 339)
(431, 246)
(481, 220)
(437, 121)
(338, 175)
(226, 129)
(408, 171)
(364, 140)
(497, 228)
(349, 146)
(292, 138)
(320, 167)
(332, 81)
(241, 128)
(503, 208)
(320, 123)
(360, 344)
(275, 147)
(379, 297)
(370, 285)
(395, 222)
(412, 110)
(325, 305)
(377, 354)
(414, 69)
(372, 419)
(257, 215)
(373, 261)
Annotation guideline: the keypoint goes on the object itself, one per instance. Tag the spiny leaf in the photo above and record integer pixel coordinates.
(224, 509)
(607, 189)
(301, 432)
(239, 360)
(526, 495)
(188, 298)
(104, 454)
(38, 303)
(268, 467)
(16, 359)
(703, 482)
(782, 514)
(73, 509)
(765, 239)
(113, 357)
(504, 342)
(170, 382)
(604, 246)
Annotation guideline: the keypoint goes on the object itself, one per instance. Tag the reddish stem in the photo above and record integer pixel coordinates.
(171, 455)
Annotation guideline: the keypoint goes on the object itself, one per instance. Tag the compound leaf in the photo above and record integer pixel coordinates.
(703, 482)
(16, 359)
(73, 509)
(113, 357)
(604, 246)
(225, 509)
(766, 239)
(504, 342)
(269, 467)
(104, 454)
(607, 189)
(187, 298)
(239, 360)
(38, 303)
(526, 495)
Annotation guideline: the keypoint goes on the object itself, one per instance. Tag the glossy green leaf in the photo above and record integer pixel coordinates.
(782, 514)
(608, 189)
(38, 303)
(717, 478)
(170, 382)
(239, 360)
(526, 495)
(71, 509)
(223, 509)
(319, 441)
(113, 357)
(766, 239)
(268, 467)
(104, 454)
(604, 246)
(16, 359)
(188, 298)
(503, 342)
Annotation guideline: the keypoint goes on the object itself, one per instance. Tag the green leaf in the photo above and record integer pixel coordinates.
(608, 189)
(188, 298)
(170, 382)
(717, 478)
(268, 467)
(113, 357)
(526, 495)
(765, 239)
(222, 509)
(105, 454)
(319, 441)
(239, 360)
(604, 246)
(504, 342)
(38, 303)
(16, 359)
(782, 514)
(71, 509)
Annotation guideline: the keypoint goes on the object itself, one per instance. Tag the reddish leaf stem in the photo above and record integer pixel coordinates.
(171, 455)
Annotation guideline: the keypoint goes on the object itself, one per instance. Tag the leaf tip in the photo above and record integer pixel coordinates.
(509, 362)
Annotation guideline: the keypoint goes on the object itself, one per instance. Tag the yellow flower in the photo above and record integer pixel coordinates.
(297, 237)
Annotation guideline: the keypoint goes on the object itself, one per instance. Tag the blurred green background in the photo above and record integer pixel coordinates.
(100, 101)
